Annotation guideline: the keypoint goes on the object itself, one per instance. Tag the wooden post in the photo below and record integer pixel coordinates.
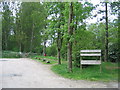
(100, 65)
(80, 63)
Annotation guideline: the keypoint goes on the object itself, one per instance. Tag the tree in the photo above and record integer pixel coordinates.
(60, 32)
(7, 22)
(32, 17)
(106, 35)
(115, 7)
(0, 34)
(70, 32)
(56, 25)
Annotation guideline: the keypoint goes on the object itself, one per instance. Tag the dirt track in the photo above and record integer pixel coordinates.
(27, 73)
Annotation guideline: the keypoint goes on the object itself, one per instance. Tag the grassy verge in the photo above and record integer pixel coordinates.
(109, 70)
(53, 60)
(89, 73)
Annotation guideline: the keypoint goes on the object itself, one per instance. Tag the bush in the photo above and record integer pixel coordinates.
(51, 51)
(113, 53)
(10, 54)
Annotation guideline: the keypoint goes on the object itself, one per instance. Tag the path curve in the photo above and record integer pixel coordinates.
(27, 73)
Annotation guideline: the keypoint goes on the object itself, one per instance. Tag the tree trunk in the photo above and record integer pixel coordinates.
(44, 48)
(106, 35)
(59, 56)
(76, 61)
(6, 42)
(118, 35)
(32, 35)
(59, 41)
(70, 32)
(20, 47)
(69, 56)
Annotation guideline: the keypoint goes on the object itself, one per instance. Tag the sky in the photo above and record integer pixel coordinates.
(96, 19)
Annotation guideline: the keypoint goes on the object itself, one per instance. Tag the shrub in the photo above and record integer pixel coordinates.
(113, 53)
(10, 54)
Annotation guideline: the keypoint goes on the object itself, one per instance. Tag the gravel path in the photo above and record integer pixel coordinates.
(27, 73)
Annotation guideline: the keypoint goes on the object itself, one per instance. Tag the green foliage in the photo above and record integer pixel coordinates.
(113, 43)
(114, 53)
(51, 51)
(115, 6)
(7, 23)
(99, 34)
(23, 32)
(0, 39)
(32, 16)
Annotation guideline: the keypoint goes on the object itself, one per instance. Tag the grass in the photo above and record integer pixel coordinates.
(92, 72)
(53, 60)
(89, 73)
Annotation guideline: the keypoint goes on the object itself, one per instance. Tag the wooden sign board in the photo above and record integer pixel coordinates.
(90, 62)
(91, 53)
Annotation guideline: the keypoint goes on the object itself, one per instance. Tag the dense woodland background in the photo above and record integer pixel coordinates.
(28, 27)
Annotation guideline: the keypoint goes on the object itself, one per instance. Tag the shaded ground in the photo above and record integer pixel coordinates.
(27, 73)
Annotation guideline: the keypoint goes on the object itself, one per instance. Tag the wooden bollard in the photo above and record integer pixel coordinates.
(44, 60)
(47, 61)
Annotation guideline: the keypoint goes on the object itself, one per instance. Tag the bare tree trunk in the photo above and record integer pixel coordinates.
(70, 32)
(6, 42)
(69, 57)
(76, 62)
(106, 36)
(59, 45)
(20, 47)
(1, 43)
(59, 56)
(44, 41)
(32, 36)
(59, 41)
(44, 48)
(118, 36)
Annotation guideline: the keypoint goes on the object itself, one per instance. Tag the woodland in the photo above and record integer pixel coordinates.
(61, 29)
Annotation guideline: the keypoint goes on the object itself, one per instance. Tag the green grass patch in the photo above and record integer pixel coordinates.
(88, 73)
(47, 57)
